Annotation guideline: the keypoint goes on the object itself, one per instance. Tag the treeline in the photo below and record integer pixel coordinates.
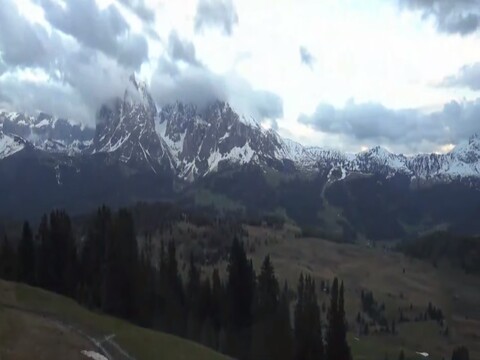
(459, 251)
(244, 315)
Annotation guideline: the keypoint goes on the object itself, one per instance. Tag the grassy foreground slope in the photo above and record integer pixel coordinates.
(38, 324)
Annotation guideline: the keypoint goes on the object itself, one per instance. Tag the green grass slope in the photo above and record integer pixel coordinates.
(38, 324)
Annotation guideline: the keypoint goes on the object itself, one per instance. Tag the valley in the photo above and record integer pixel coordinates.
(378, 269)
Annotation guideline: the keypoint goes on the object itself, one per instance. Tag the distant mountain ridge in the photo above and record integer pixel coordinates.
(193, 142)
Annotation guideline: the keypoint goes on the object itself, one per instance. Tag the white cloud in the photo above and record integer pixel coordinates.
(373, 51)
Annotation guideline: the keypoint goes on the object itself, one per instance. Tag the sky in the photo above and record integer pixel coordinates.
(347, 74)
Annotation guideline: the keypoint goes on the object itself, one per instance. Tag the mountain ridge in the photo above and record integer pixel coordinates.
(192, 142)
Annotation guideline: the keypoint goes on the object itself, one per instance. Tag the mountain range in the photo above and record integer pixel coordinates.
(216, 157)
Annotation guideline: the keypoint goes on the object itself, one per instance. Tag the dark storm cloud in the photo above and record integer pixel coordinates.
(468, 76)
(181, 50)
(451, 16)
(139, 8)
(103, 29)
(306, 57)
(374, 123)
(216, 14)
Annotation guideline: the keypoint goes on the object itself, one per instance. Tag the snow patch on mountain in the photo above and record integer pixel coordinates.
(9, 145)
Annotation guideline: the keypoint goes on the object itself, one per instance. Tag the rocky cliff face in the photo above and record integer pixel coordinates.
(201, 141)
(126, 130)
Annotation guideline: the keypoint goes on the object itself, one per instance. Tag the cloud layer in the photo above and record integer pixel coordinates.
(102, 29)
(86, 58)
(139, 8)
(372, 123)
(180, 76)
(451, 16)
(468, 77)
(219, 14)
(69, 70)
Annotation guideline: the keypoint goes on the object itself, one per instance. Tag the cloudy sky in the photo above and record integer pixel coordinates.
(349, 74)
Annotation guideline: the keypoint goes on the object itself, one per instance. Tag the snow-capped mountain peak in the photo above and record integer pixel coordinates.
(193, 142)
(43, 130)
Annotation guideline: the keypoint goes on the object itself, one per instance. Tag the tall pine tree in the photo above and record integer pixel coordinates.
(7, 260)
(266, 310)
(26, 256)
(308, 326)
(337, 346)
(93, 259)
(240, 292)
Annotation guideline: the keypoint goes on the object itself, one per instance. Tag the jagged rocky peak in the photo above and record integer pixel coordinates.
(137, 95)
(468, 151)
(201, 139)
(126, 129)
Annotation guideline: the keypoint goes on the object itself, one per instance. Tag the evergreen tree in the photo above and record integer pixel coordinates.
(283, 328)
(299, 327)
(93, 259)
(121, 267)
(337, 346)
(207, 333)
(216, 306)
(267, 307)
(332, 339)
(45, 272)
(175, 319)
(240, 292)
(26, 256)
(194, 322)
(161, 289)
(345, 353)
(308, 327)
(7, 261)
(460, 353)
(63, 257)
(145, 283)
